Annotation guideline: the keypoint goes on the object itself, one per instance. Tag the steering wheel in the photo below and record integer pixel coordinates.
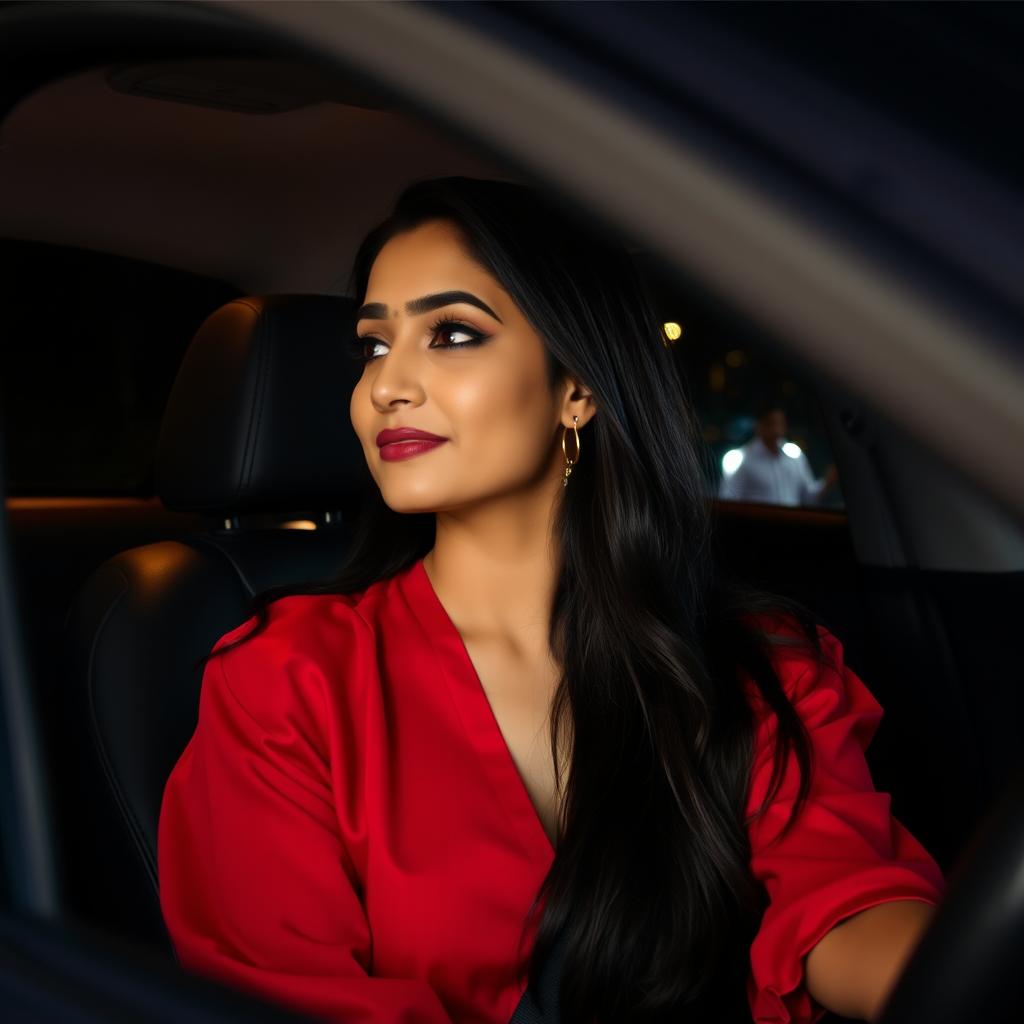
(969, 965)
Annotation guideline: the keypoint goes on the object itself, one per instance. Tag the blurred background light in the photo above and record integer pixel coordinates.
(731, 461)
(299, 524)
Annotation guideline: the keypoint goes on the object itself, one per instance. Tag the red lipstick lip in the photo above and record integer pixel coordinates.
(405, 434)
(399, 451)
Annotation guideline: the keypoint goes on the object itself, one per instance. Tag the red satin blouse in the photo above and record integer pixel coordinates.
(347, 834)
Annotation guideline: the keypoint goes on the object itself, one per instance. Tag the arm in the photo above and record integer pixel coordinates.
(257, 887)
(854, 967)
(813, 489)
(845, 867)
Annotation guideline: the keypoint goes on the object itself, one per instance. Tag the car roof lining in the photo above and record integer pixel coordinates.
(268, 202)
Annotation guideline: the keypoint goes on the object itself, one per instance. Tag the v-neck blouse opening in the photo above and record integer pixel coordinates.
(475, 712)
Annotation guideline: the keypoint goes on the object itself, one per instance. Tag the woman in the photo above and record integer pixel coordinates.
(529, 709)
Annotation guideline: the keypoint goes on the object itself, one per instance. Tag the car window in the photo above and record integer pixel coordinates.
(92, 343)
(760, 418)
(762, 425)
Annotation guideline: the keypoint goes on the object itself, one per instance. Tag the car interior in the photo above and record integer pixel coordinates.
(176, 236)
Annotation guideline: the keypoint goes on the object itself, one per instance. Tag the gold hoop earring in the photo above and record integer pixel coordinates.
(569, 463)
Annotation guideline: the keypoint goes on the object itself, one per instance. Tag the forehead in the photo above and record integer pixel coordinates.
(431, 257)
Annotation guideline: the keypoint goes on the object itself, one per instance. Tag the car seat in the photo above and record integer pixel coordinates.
(256, 430)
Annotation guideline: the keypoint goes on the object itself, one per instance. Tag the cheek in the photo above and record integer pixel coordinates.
(360, 410)
(504, 417)
(353, 408)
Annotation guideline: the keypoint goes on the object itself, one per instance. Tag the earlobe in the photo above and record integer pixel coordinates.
(579, 402)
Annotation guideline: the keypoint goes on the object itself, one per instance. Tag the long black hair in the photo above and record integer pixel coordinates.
(651, 884)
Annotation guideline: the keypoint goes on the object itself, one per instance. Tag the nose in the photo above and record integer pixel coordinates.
(397, 375)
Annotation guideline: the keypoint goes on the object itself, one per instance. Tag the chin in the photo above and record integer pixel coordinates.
(406, 503)
(410, 505)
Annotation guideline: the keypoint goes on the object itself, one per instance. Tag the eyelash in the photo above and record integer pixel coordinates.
(361, 344)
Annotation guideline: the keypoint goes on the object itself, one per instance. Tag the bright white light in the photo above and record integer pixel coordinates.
(732, 460)
(792, 450)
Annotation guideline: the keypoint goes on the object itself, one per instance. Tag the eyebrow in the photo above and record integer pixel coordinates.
(378, 311)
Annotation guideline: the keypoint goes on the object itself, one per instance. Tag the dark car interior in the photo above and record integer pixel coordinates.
(177, 229)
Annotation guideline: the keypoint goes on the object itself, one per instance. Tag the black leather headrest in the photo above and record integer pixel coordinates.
(258, 418)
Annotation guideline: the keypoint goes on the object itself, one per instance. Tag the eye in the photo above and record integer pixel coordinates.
(448, 326)
(360, 345)
(454, 330)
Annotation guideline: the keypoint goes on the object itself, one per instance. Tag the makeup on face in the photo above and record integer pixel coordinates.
(447, 324)
(398, 443)
(439, 359)
(426, 304)
(444, 325)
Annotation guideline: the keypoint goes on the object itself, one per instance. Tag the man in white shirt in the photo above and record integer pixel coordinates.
(770, 469)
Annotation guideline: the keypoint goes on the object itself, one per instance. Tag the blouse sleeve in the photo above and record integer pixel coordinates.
(844, 853)
(256, 887)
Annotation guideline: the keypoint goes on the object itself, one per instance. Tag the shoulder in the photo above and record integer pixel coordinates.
(837, 714)
(312, 649)
(823, 690)
(298, 623)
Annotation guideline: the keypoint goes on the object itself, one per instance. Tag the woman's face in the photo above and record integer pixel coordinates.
(478, 380)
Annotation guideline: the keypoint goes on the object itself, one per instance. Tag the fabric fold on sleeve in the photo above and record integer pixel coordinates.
(256, 887)
(844, 853)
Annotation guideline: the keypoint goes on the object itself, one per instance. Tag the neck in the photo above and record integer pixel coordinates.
(494, 569)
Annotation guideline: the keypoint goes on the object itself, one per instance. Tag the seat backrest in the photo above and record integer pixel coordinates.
(257, 426)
